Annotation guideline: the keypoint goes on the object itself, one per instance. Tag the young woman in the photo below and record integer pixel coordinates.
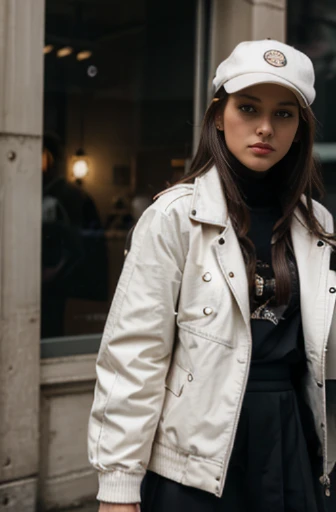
(215, 373)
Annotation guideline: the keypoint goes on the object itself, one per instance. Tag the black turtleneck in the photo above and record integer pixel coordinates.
(260, 193)
(260, 189)
(276, 330)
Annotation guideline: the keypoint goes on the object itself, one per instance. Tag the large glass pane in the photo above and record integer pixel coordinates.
(117, 127)
(312, 29)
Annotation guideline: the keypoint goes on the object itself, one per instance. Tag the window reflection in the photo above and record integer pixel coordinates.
(117, 127)
(312, 29)
(74, 250)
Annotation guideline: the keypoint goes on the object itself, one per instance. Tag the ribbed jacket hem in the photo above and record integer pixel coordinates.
(119, 487)
(168, 462)
(187, 469)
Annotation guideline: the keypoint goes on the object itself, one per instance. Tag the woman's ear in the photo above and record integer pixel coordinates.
(219, 123)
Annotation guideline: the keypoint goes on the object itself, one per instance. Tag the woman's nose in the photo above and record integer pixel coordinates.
(265, 127)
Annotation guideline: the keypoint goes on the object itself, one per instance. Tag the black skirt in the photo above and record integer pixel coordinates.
(274, 466)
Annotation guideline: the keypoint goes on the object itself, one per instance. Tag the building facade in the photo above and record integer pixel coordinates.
(100, 106)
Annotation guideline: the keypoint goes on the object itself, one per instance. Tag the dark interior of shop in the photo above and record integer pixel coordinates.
(118, 125)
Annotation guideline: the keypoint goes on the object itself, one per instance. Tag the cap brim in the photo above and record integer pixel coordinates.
(243, 81)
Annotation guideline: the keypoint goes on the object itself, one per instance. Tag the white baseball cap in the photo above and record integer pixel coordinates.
(267, 61)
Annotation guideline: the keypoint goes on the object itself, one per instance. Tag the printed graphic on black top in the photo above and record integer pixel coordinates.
(264, 306)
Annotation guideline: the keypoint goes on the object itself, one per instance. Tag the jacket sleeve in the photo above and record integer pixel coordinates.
(134, 358)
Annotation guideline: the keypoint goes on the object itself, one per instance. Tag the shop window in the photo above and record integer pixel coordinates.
(118, 115)
(312, 29)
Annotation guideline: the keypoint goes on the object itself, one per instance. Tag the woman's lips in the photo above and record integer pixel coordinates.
(262, 149)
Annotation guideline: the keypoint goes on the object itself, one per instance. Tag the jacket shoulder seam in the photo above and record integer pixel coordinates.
(176, 199)
(168, 197)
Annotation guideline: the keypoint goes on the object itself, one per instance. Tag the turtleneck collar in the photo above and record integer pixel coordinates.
(260, 189)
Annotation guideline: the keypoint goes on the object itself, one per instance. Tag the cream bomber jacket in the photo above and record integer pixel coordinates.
(175, 354)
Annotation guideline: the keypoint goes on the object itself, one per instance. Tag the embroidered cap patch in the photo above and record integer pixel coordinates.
(275, 58)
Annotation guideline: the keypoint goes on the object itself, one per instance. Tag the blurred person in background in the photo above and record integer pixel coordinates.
(72, 242)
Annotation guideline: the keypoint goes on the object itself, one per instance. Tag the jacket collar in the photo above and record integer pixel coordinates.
(209, 204)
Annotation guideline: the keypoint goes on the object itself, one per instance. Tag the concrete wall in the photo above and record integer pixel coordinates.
(21, 80)
(66, 479)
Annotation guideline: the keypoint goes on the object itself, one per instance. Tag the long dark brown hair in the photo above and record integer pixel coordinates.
(299, 175)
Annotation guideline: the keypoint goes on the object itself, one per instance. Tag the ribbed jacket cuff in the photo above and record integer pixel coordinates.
(119, 487)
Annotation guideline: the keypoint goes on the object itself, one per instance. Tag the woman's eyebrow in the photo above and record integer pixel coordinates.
(281, 103)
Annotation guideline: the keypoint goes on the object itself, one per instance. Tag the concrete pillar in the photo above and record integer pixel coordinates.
(233, 21)
(21, 100)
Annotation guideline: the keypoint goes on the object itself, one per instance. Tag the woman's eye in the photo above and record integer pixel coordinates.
(284, 114)
(247, 109)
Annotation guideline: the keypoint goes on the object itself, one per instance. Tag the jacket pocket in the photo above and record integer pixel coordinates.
(176, 379)
(202, 333)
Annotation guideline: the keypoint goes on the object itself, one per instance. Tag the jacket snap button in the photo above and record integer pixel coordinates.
(332, 290)
(320, 243)
(320, 384)
(207, 277)
(190, 377)
(207, 311)
(193, 212)
(231, 274)
(221, 241)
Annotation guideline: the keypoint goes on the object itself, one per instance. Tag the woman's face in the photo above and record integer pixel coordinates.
(260, 124)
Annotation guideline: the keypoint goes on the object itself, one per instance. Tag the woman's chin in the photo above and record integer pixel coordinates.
(259, 165)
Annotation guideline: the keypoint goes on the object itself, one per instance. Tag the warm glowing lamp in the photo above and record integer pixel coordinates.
(65, 51)
(80, 168)
(83, 55)
(80, 165)
(48, 49)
